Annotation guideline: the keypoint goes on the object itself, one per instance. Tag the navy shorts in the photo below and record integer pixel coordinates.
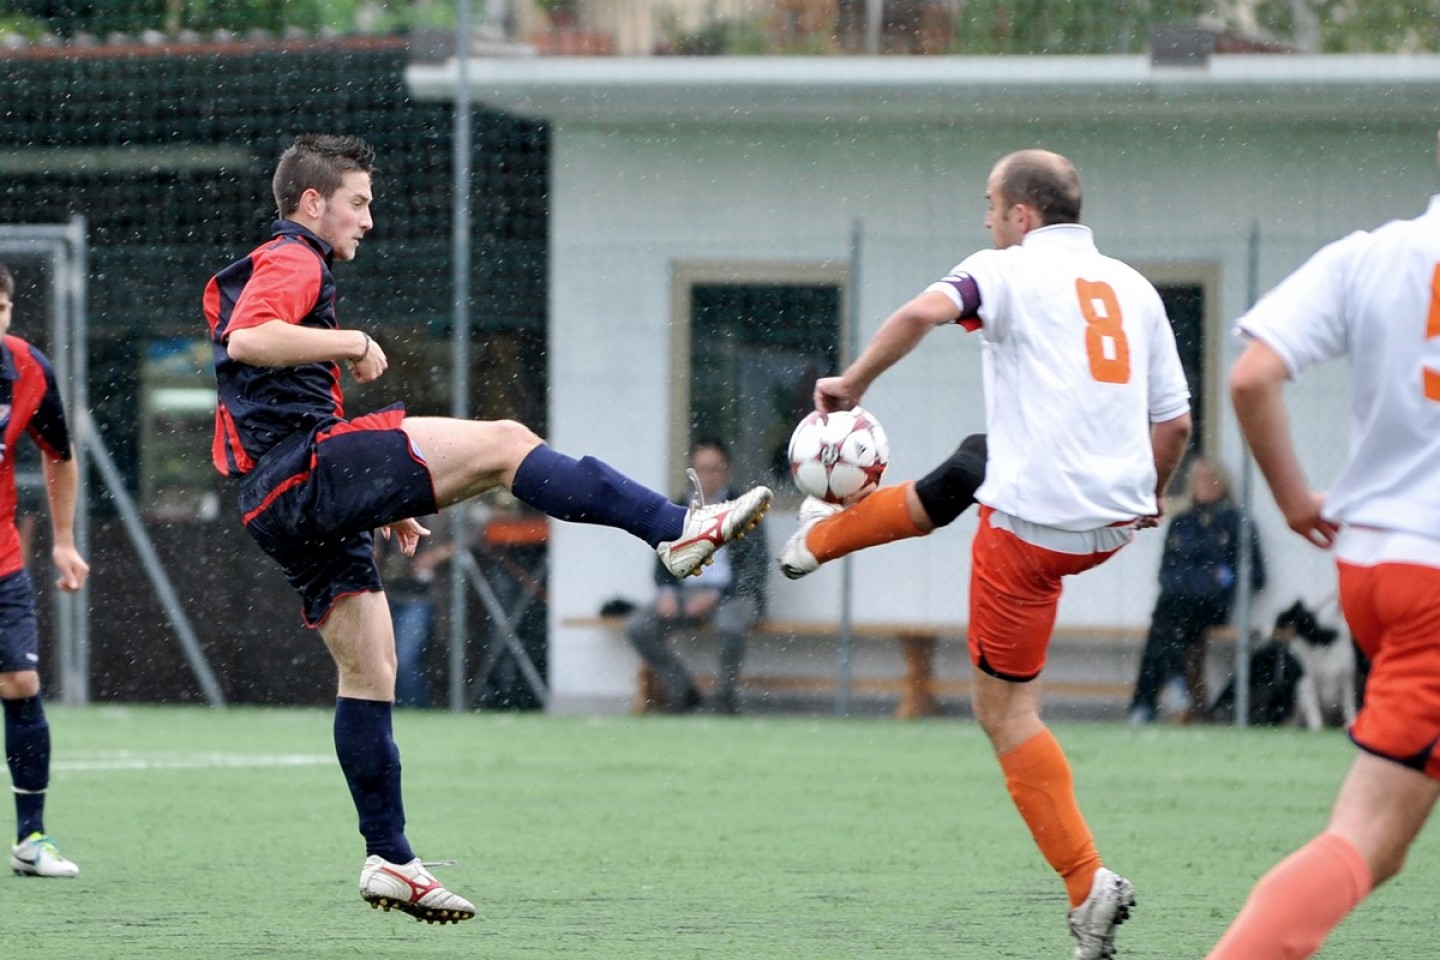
(19, 634)
(314, 499)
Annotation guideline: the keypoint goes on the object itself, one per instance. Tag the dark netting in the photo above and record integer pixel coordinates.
(167, 153)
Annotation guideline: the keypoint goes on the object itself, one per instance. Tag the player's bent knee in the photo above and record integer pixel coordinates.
(19, 684)
(949, 490)
(1388, 868)
(508, 443)
(472, 455)
(367, 677)
(514, 434)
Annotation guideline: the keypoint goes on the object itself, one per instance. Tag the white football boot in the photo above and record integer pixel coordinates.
(37, 856)
(708, 528)
(410, 887)
(796, 560)
(1093, 923)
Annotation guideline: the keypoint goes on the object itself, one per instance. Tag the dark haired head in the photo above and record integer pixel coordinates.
(710, 443)
(317, 161)
(7, 281)
(1046, 182)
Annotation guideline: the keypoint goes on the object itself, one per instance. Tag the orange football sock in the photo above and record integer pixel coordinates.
(1038, 777)
(882, 517)
(1295, 906)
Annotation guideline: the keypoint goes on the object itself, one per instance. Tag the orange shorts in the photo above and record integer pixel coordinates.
(1014, 596)
(1394, 611)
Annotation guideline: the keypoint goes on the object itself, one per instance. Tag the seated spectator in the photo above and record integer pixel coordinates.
(730, 598)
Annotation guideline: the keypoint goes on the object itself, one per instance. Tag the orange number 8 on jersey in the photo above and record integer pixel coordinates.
(1432, 330)
(1105, 342)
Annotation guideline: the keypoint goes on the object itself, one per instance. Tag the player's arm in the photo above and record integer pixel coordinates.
(51, 433)
(277, 343)
(265, 328)
(62, 483)
(901, 332)
(1168, 440)
(1257, 385)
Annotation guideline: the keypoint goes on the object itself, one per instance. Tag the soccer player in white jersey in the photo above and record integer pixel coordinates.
(1088, 414)
(1374, 298)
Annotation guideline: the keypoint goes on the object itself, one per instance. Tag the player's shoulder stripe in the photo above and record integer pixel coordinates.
(290, 251)
(24, 353)
(286, 271)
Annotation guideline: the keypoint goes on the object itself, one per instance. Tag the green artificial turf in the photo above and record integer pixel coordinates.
(226, 834)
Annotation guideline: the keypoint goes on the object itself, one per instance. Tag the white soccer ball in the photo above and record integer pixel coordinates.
(838, 457)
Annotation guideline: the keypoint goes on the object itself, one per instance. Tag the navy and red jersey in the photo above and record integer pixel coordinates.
(29, 403)
(286, 279)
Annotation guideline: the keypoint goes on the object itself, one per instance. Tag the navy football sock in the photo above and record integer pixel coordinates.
(591, 491)
(27, 752)
(371, 764)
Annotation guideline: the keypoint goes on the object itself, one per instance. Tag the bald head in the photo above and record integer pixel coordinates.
(1044, 181)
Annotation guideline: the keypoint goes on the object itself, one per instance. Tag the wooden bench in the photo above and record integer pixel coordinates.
(918, 687)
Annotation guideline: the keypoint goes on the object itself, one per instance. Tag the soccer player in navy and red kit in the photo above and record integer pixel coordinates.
(314, 484)
(30, 403)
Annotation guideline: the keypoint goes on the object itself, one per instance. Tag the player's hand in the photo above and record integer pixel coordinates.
(408, 531)
(833, 393)
(1305, 519)
(1151, 521)
(73, 568)
(371, 365)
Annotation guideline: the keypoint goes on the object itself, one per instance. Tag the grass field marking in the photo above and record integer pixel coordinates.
(184, 760)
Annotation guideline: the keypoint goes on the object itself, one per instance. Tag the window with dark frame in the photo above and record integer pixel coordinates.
(756, 350)
(1185, 306)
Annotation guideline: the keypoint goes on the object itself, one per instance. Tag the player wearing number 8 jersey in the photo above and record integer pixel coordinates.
(1088, 414)
(1374, 298)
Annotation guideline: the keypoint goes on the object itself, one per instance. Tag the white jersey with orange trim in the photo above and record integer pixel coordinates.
(1374, 296)
(1079, 361)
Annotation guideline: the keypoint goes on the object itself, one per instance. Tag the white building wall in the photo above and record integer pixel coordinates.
(628, 203)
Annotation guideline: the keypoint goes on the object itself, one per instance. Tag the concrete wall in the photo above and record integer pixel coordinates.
(629, 203)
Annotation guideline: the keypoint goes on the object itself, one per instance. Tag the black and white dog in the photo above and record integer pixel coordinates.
(1326, 690)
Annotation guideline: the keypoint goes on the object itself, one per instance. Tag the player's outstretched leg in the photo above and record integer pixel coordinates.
(708, 527)
(827, 532)
(589, 490)
(796, 560)
(411, 888)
